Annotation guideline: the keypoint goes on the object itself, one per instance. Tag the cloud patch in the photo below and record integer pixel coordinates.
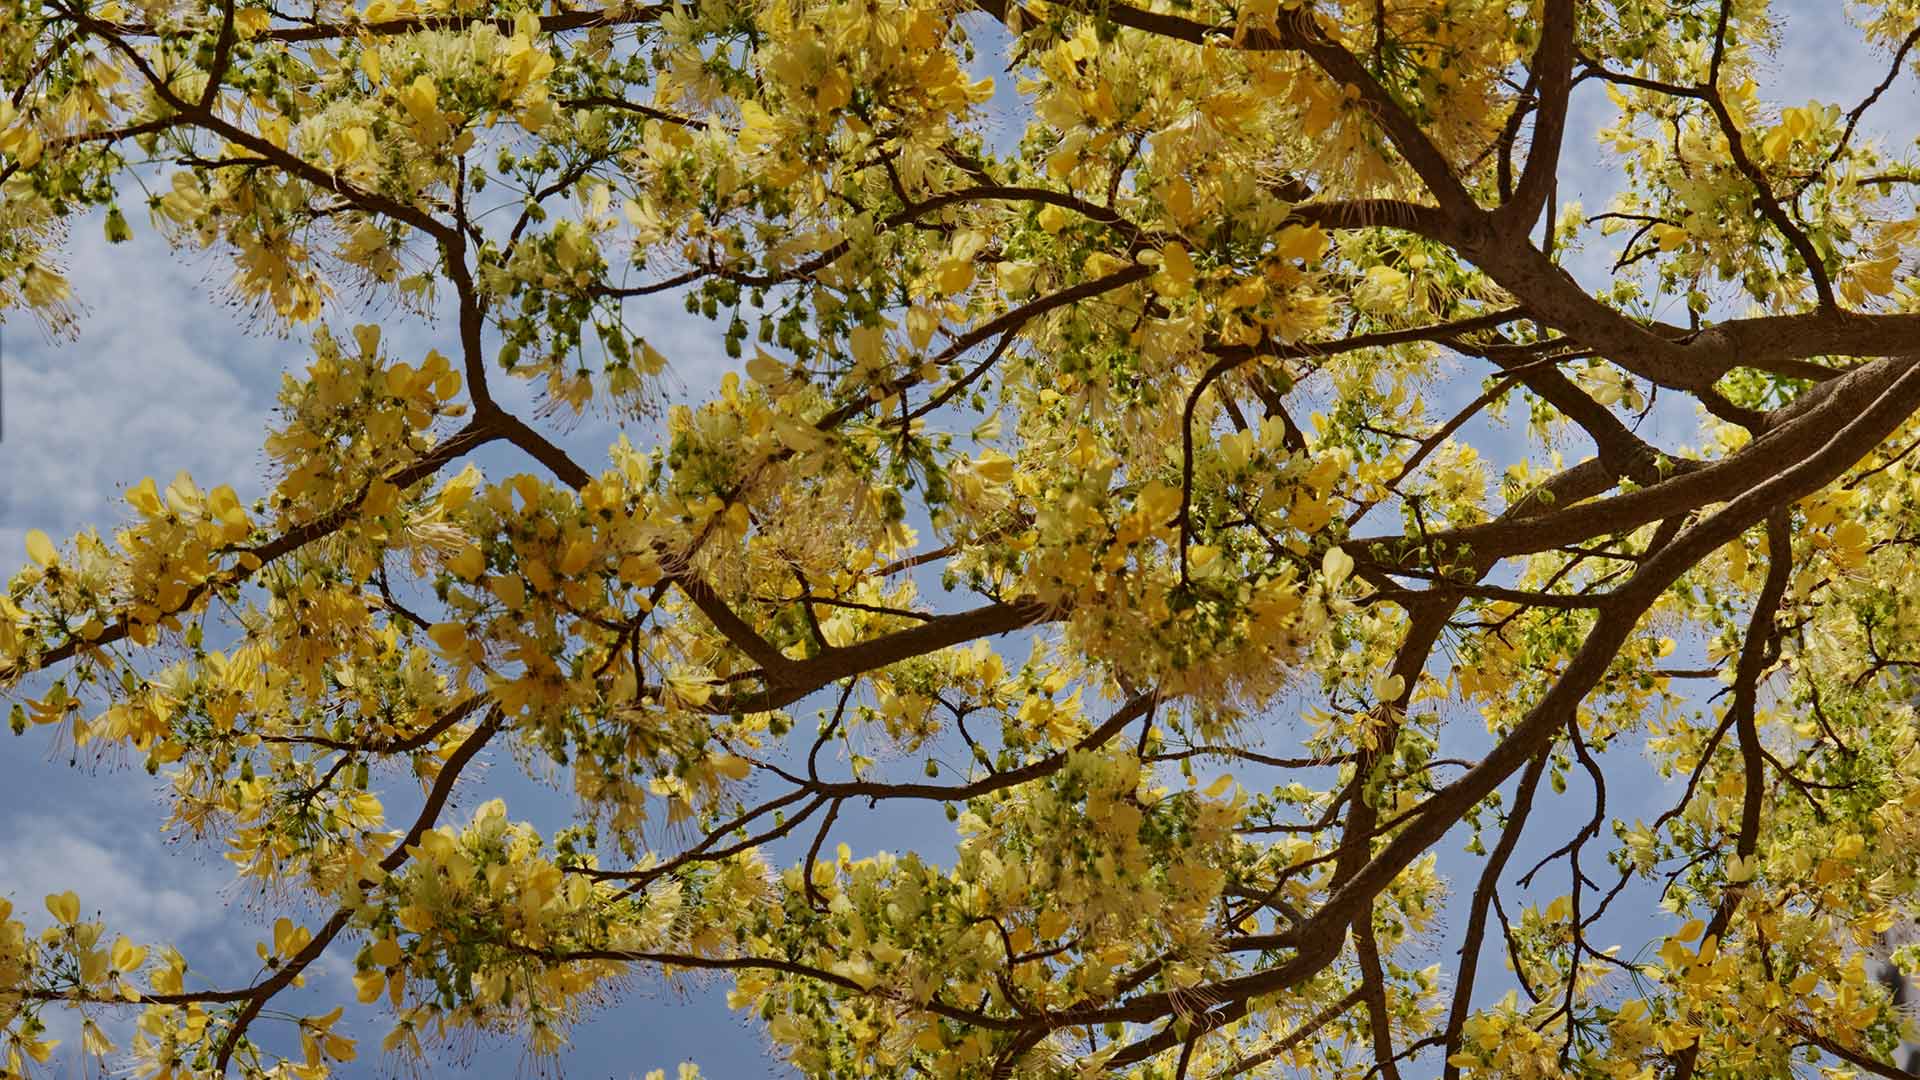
(138, 887)
(159, 380)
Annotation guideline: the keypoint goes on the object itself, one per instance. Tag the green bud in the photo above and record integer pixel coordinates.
(118, 231)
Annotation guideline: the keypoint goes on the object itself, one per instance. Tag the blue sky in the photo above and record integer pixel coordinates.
(163, 377)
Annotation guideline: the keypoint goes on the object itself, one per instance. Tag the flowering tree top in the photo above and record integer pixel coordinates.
(1165, 436)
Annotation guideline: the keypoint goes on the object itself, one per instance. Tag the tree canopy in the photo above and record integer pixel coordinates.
(1168, 438)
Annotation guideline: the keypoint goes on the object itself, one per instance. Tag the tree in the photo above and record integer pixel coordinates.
(1143, 482)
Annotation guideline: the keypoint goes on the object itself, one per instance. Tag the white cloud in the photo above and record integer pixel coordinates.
(139, 888)
(159, 380)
